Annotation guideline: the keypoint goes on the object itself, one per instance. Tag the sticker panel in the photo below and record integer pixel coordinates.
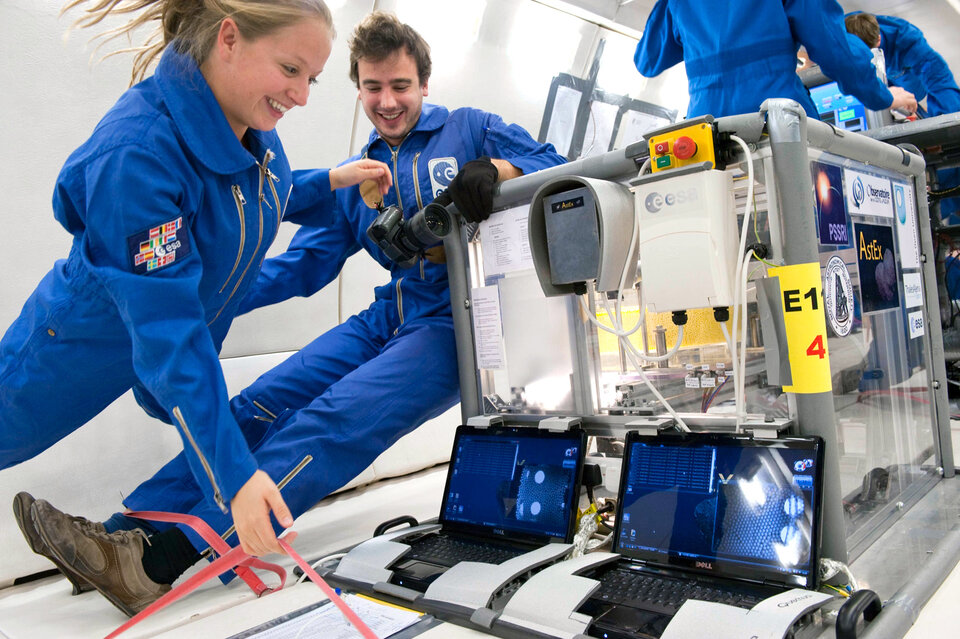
(906, 216)
(830, 204)
(838, 296)
(868, 194)
(912, 290)
(877, 259)
(802, 296)
(915, 321)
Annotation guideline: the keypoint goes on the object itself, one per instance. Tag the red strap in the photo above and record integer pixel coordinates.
(329, 592)
(221, 547)
(214, 569)
(233, 558)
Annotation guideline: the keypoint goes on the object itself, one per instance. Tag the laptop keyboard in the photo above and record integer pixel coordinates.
(450, 551)
(659, 593)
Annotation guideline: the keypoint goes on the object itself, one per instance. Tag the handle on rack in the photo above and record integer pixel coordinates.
(396, 521)
(862, 602)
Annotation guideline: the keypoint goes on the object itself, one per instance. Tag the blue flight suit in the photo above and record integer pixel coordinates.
(322, 416)
(738, 54)
(171, 219)
(912, 64)
(915, 66)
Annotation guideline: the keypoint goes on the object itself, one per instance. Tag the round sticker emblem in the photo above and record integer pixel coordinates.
(838, 296)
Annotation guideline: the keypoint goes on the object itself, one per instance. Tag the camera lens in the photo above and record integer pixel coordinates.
(428, 227)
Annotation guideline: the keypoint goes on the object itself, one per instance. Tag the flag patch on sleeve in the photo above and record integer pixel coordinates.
(158, 247)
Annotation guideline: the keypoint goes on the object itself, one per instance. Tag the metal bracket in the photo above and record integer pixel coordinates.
(560, 423)
(767, 429)
(485, 421)
(650, 426)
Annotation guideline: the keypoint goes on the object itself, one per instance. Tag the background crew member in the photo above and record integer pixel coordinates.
(914, 65)
(910, 62)
(739, 53)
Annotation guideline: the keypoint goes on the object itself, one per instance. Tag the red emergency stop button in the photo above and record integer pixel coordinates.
(684, 148)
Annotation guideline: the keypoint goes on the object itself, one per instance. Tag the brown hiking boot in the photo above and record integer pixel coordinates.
(112, 562)
(21, 512)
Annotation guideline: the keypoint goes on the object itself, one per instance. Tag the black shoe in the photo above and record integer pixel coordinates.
(21, 512)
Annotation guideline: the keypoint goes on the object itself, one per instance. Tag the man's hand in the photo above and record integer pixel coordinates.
(251, 508)
(359, 170)
(903, 100)
(472, 189)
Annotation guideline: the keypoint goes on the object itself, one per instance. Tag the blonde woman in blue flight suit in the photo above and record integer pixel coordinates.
(740, 52)
(172, 203)
(325, 414)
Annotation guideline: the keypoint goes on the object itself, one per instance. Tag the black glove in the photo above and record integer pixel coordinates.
(472, 189)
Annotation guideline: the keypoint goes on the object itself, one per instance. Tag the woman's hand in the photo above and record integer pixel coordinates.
(251, 508)
(359, 170)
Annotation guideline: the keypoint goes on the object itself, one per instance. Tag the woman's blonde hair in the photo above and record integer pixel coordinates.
(193, 25)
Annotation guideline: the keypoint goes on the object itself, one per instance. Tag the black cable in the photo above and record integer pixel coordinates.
(945, 193)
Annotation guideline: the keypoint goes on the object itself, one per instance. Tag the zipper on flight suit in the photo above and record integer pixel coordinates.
(394, 152)
(399, 305)
(261, 407)
(416, 190)
(240, 201)
(217, 495)
(260, 199)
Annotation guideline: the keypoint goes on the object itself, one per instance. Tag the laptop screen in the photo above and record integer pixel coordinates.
(842, 111)
(728, 505)
(522, 483)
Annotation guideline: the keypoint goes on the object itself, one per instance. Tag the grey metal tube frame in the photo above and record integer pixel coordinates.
(901, 611)
(609, 166)
(790, 136)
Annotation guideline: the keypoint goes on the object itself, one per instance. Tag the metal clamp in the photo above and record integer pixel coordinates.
(485, 421)
(561, 424)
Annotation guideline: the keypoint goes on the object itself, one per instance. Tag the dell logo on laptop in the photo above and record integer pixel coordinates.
(704, 564)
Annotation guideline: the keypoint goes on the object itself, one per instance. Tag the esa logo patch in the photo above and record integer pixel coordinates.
(442, 172)
(158, 247)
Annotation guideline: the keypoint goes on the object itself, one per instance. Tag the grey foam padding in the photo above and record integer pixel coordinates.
(547, 603)
(472, 584)
(368, 562)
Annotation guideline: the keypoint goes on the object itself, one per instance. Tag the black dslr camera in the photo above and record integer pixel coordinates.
(403, 241)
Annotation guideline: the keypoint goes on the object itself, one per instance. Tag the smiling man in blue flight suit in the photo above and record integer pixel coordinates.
(741, 52)
(328, 411)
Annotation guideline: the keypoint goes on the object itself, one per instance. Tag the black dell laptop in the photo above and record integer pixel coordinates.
(509, 490)
(722, 518)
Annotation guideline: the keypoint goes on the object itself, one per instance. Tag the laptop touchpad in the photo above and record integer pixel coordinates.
(639, 623)
(420, 570)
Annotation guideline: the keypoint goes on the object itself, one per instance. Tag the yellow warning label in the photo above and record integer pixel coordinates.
(801, 295)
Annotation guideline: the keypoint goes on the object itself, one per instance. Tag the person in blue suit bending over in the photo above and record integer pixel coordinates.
(318, 419)
(913, 64)
(741, 52)
(910, 61)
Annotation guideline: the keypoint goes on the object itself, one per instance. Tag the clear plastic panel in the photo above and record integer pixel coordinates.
(554, 361)
(880, 369)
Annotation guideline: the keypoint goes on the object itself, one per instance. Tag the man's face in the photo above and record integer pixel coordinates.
(391, 94)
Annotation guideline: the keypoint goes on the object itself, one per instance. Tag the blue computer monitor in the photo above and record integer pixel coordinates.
(842, 111)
